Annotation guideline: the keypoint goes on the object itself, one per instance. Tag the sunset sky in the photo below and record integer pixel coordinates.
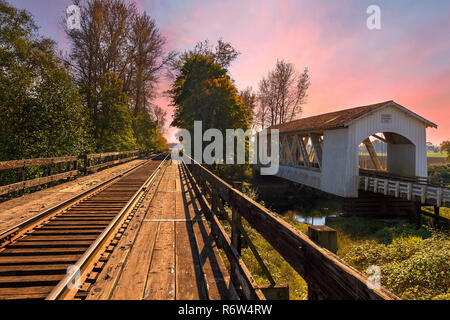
(408, 60)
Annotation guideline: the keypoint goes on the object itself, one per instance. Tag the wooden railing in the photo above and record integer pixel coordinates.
(104, 160)
(328, 277)
(435, 182)
(411, 188)
(60, 168)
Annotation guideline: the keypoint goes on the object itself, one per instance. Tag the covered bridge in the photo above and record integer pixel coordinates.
(322, 151)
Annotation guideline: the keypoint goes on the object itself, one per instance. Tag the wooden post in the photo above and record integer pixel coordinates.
(325, 237)
(214, 203)
(20, 178)
(68, 168)
(418, 212)
(235, 243)
(236, 236)
(86, 164)
(436, 217)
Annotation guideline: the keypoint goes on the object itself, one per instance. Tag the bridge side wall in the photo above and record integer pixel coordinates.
(335, 177)
(306, 177)
(401, 159)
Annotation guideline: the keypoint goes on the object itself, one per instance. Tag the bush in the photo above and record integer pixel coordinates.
(411, 267)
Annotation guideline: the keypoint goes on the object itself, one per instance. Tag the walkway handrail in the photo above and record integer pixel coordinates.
(384, 174)
(62, 171)
(404, 187)
(325, 272)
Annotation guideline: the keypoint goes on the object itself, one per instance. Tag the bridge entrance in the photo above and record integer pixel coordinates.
(388, 152)
(325, 152)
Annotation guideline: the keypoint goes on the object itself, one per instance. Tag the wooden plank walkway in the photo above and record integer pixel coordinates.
(168, 252)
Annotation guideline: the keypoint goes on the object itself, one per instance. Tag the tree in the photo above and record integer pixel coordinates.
(159, 115)
(223, 54)
(40, 107)
(250, 100)
(115, 38)
(114, 119)
(281, 94)
(203, 91)
(445, 146)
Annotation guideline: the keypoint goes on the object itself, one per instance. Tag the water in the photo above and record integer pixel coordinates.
(315, 212)
(315, 221)
(305, 205)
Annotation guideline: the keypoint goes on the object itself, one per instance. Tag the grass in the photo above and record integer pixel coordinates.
(437, 154)
(415, 264)
(429, 154)
(280, 270)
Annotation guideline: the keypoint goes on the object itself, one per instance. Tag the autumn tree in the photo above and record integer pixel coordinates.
(40, 108)
(445, 147)
(159, 115)
(281, 94)
(115, 38)
(203, 91)
(114, 120)
(250, 100)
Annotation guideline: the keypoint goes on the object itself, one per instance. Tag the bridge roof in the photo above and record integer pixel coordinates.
(342, 118)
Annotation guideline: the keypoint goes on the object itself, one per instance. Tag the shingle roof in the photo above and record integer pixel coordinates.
(337, 119)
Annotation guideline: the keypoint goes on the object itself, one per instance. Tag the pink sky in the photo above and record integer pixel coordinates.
(350, 65)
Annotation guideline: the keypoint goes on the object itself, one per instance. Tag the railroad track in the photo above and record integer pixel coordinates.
(48, 256)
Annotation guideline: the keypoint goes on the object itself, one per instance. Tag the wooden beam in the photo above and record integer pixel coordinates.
(333, 278)
(316, 147)
(304, 152)
(109, 163)
(239, 270)
(380, 138)
(36, 182)
(5, 165)
(108, 154)
(373, 154)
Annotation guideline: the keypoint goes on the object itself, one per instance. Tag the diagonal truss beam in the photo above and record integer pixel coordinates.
(373, 154)
(317, 147)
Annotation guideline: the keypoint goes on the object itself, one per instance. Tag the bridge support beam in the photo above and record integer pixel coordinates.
(374, 205)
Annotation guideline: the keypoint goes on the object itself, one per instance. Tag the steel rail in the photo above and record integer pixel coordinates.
(62, 288)
(24, 225)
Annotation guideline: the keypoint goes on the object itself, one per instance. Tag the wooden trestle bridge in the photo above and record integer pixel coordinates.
(154, 229)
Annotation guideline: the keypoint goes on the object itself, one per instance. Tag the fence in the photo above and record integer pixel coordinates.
(328, 277)
(60, 168)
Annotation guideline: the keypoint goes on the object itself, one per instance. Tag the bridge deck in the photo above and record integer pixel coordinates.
(169, 252)
(17, 210)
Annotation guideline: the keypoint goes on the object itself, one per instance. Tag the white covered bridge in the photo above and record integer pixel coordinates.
(323, 152)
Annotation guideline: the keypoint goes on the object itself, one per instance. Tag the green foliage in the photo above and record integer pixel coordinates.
(40, 108)
(445, 146)
(440, 172)
(412, 267)
(113, 120)
(203, 91)
(148, 135)
(142, 126)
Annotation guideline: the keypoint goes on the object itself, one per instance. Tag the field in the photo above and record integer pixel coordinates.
(432, 158)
